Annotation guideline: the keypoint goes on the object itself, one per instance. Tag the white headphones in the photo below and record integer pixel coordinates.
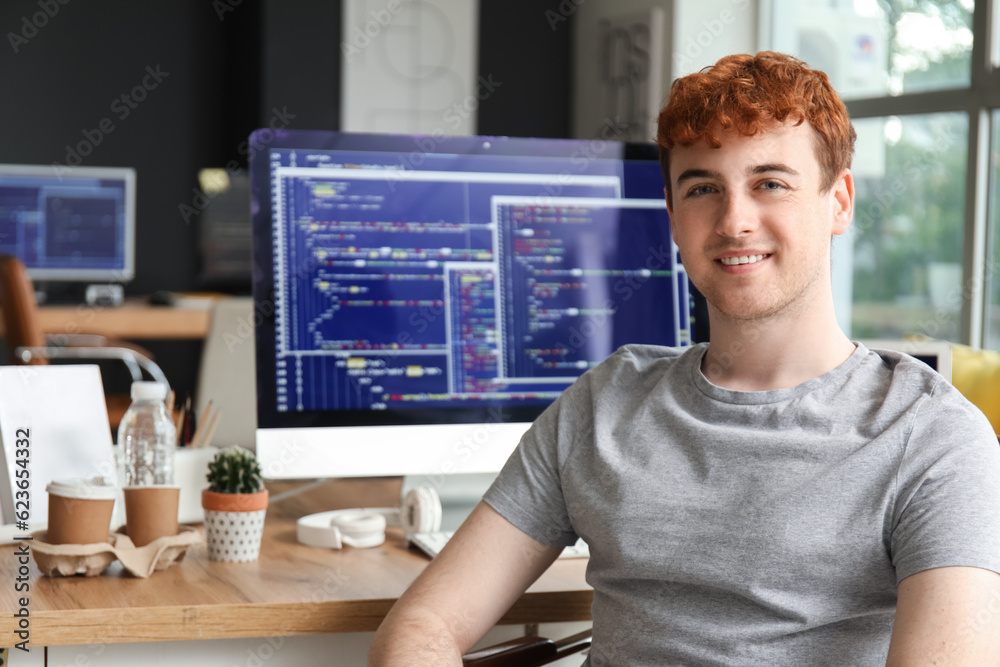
(365, 527)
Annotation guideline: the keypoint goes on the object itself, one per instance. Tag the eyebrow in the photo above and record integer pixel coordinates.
(770, 167)
(776, 166)
(690, 174)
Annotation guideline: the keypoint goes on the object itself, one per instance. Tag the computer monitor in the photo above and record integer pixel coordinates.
(72, 225)
(224, 240)
(419, 300)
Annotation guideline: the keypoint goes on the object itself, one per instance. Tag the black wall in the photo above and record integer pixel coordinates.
(300, 65)
(225, 67)
(65, 81)
(526, 46)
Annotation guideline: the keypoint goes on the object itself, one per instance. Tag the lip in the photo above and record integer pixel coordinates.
(742, 268)
(746, 252)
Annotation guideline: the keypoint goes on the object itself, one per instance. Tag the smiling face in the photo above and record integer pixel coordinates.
(752, 223)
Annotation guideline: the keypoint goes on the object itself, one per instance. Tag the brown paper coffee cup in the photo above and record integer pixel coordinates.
(78, 520)
(79, 511)
(151, 512)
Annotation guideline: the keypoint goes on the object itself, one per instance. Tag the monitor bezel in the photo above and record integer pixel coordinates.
(61, 174)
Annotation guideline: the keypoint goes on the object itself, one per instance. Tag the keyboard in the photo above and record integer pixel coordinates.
(432, 543)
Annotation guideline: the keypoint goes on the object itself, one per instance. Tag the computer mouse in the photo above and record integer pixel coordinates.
(161, 298)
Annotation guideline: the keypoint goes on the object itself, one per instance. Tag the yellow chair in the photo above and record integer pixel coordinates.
(976, 373)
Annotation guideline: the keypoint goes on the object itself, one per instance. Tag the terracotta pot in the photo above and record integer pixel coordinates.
(234, 502)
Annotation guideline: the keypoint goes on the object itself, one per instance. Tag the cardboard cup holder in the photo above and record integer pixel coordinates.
(64, 560)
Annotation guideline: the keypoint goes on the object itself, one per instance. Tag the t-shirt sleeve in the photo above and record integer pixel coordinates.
(528, 491)
(947, 510)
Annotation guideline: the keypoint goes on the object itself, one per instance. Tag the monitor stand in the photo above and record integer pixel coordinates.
(459, 493)
(56, 293)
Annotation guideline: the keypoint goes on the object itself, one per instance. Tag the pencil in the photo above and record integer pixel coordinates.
(204, 442)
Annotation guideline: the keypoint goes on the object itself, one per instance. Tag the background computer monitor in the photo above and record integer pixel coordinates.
(420, 300)
(224, 239)
(69, 224)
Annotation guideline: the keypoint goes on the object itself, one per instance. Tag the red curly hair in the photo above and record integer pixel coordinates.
(749, 94)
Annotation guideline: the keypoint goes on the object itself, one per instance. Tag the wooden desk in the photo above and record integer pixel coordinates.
(136, 319)
(291, 590)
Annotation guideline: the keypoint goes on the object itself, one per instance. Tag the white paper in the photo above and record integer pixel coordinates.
(62, 411)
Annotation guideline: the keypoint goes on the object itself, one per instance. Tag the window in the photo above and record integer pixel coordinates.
(879, 47)
(920, 82)
(906, 239)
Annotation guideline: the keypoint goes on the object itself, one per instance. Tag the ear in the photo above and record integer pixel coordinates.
(843, 203)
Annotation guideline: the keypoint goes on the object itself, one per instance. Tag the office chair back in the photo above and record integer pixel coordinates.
(28, 344)
(528, 651)
(22, 327)
(227, 375)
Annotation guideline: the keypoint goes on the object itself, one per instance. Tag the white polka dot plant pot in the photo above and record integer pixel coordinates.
(234, 536)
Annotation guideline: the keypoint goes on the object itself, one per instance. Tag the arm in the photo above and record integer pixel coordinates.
(947, 616)
(479, 574)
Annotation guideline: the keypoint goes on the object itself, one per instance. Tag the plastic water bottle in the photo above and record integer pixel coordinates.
(147, 437)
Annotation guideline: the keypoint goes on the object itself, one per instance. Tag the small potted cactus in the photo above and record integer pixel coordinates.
(235, 503)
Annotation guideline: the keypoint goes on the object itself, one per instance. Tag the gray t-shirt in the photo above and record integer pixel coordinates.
(766, 528)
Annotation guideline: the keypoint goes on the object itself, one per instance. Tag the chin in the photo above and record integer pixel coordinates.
(746, 310)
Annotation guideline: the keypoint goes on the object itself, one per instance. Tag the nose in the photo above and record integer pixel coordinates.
(737, 217)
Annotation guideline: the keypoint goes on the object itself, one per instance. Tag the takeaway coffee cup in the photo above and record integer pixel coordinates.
(151, 512)
(79, 511)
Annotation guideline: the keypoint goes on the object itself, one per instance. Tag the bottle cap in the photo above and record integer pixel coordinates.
(148, 391)
(95, 488)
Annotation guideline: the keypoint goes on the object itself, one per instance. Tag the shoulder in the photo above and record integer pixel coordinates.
(889, 392)
(938, 415)
(628, 374)
(630, 364)
(905, 380)
(895, 363)
(644, 357)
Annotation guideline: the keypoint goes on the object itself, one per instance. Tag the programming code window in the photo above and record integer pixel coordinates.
(495, 280)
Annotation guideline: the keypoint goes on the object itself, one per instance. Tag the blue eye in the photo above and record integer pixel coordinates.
(700, 190)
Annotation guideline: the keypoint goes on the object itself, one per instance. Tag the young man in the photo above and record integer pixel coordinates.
(780, 496)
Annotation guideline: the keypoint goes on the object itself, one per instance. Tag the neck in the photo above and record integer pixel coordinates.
(776, 352)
